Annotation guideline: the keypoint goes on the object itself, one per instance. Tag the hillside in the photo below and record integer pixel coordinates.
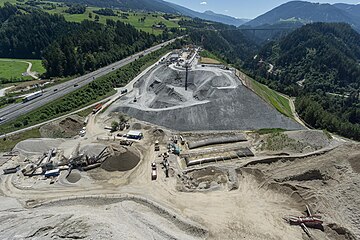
(349, 8)
(297, 56)
(159, 6)
(306, 12)
(69, 48)
(319, 64)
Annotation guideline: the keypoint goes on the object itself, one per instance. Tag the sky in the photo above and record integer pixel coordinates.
(241, 8)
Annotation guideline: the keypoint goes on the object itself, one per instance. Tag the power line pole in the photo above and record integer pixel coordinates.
(187, 74)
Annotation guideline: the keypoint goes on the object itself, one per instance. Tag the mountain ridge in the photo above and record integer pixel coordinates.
(307, 12)
(160, 6)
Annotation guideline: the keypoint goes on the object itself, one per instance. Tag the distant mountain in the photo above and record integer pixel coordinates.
(354, 10)
(306, 12)
(211, 16)
(159, 6)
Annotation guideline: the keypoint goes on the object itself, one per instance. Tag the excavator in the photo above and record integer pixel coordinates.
(308, 221)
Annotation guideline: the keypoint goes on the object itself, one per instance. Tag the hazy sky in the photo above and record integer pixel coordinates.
(241, 8)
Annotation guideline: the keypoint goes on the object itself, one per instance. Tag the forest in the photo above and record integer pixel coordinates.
(69, 48)
(319, 64)
(105, 12)
(76, 9)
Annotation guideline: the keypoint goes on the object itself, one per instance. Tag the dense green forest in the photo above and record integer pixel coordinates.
(69, 48)
(229, 44)
(27, 35)
(76, 9)
(93, 46)
(319, 64)
(105, 12)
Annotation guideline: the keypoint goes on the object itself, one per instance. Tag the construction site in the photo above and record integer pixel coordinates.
(179, 153)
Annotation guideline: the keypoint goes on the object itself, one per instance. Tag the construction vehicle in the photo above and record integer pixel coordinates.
(126, 143)
(153, 171)
(182, 140)
(97, 108)
(166, 163)
(311, 221)
(157, 146)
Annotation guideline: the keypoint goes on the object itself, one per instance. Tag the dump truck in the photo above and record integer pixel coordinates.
(157, 146)
(153, 171)
(97, 108)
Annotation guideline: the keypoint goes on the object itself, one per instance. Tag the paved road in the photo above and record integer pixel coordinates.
(106, 102)
(13, 111)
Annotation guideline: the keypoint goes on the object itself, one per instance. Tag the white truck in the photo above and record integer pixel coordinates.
(32, 96)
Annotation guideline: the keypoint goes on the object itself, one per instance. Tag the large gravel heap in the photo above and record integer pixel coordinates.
(215, 100)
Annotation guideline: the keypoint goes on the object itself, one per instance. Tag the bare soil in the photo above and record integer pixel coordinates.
(66, 128)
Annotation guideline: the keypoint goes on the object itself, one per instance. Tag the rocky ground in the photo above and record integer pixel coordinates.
(241, 199)
(215, 100)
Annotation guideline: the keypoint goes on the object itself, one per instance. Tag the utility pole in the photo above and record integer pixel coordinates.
(187, 74)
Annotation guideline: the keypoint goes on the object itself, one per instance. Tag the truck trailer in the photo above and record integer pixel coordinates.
(97, 108)
(32, 96)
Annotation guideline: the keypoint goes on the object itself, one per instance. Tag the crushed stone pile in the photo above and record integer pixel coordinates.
(215, 100)
(37, 146)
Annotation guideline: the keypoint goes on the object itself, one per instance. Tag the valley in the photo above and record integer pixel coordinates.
(146, 119)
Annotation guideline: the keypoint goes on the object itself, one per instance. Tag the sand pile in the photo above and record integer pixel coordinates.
(92, 149)
(355, 162)
(215, 100)
(37, 146)
(121, 161)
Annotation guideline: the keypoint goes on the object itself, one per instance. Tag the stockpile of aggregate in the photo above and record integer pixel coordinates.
(215, 100)
(121, 162)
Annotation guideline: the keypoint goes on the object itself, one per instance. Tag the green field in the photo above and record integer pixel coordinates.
(207, 54)
(133, 18)
(9, 1)
(13, 68)
(8, 143)
(272, 97)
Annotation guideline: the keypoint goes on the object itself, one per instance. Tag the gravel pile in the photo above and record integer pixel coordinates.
(121, 162)
(74, 176)
(215, 100)
(92, 149)
(37, 146)
(314, 138)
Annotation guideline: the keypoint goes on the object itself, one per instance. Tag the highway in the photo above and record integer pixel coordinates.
(13, 111)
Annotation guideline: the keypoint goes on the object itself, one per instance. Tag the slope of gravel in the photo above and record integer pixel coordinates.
(215, 100)
(241, 109)
(37, 146)
(122, 220)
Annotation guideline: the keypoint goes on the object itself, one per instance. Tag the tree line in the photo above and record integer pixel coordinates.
(318, 64)
(69, 48)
